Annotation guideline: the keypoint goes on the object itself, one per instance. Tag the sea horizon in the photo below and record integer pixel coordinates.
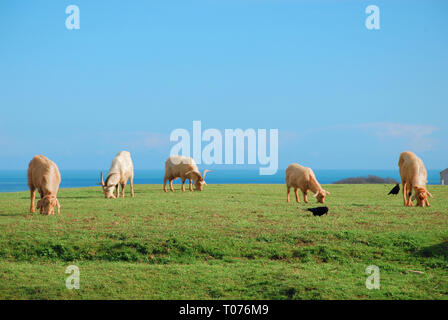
(16, 180)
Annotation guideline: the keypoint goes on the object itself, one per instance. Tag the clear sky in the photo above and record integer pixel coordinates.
(342, 96)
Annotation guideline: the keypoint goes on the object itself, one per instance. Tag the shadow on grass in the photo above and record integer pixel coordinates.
(80, 197)
(16, 214)
(66, 197)
(437, 251)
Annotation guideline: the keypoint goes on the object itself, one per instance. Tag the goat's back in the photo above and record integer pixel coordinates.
(122, 164)
(177, 166)
(297, 175)
(412, 169)
(43, 174)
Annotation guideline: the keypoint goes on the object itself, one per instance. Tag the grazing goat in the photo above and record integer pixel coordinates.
(183, 168)
(43, 175)
(413, 178)
(121, 170)
(303, 178)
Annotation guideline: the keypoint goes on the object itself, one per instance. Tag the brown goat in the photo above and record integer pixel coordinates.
(183, 168)
(43, 175)
(413, 178)
(303, 178)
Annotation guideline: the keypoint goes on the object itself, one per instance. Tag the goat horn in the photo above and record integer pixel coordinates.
(205, 172)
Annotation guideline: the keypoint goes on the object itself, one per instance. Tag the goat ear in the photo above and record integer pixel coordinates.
(198, 176)
(327, 192)
(429, 194)
(195, 175)
(315, 195)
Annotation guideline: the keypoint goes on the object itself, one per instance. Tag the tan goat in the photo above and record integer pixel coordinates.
(183, 168)
(413, 178)
(303, 178)
(43, 175)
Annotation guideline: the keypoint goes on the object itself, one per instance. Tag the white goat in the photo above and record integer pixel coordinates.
(184, 168)
(121, 170)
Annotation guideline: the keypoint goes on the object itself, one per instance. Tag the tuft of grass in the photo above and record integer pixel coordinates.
(227, 242)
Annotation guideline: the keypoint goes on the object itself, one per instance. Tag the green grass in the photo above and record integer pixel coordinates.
(227, 242)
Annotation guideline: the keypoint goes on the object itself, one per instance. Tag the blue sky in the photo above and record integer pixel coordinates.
(342, 96)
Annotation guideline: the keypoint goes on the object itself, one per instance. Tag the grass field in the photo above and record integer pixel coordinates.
(228, 242)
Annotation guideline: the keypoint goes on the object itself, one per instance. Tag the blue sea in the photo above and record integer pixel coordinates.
(16, 180)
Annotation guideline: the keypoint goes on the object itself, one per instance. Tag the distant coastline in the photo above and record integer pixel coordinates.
(370, 179)
(16, 180)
